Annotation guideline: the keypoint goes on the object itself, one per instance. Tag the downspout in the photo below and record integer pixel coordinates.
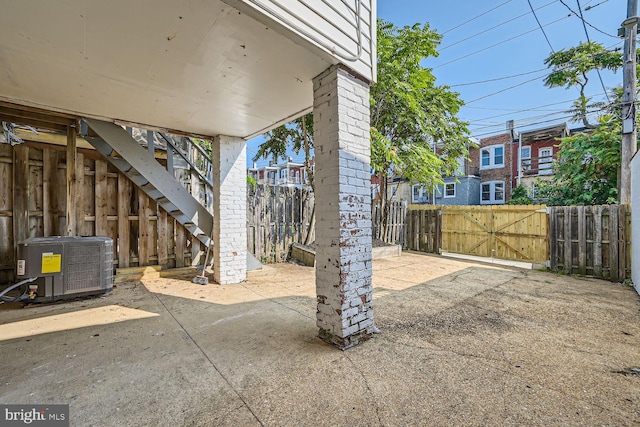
(520, 159)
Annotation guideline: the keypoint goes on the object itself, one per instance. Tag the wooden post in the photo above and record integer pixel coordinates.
(567, 240)
(124, 194)
(79, 196)
(49, 191)
(597, 241)
(622, 242)
(181, 243)
(552, 237)
(144, 235)
(582, 241)
(614, 273)
(162, 238)
(101, 196)
(20, 193)
(72, 182)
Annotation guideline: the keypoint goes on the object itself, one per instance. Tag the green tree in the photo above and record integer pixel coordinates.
(297, 135)
(410, 114)
(519, 196)
(571, 68)
(587, 170)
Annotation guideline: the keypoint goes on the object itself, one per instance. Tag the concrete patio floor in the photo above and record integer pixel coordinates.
(462, 343)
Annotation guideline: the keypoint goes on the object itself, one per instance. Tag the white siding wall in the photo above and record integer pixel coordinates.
(330, 25)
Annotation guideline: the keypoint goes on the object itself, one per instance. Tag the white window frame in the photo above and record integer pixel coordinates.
(525, 160)
(547, 169)
(492, 193)
(453, 185)
(423, 196)
(491, 149)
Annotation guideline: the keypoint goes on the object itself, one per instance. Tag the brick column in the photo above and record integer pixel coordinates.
(343, 208)
(229, 210)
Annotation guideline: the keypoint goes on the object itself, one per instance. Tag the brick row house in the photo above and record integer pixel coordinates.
(285, 174)
(498, 165)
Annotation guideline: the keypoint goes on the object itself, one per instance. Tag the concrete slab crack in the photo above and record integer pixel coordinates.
(366, 384)
(237, 393)
(278, 303)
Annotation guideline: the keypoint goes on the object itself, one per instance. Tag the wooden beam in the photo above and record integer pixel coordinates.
(101, 195)
(72, 182)
(20, 193)
(144, 229)
(49, 191)
(36, 110)
(32, 122)
(163, 255)
(124, 195)
(79, 196)
(25, 116)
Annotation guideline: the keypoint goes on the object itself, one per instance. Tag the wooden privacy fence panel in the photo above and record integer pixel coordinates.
(33, 203)
(424, 230)
(591, 241)
(507, 232)
(395, 231)
(276, 218)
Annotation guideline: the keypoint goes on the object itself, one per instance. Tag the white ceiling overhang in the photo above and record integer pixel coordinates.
(199, 67)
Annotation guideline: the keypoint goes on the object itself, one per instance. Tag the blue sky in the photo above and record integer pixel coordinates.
(500, 43)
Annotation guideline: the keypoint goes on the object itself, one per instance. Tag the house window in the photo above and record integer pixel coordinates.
(545, 161)
(492, 157)
(450, 189)
(492, 193)
(419, 194)
(284, 173)
(525, 156)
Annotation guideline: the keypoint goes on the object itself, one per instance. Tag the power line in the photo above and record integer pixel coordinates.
(476, 17)
(537, 108)
(512, 112)
(589, 41)
(584, 22)
(536, 123)
(498, 78)
(525, 122)
(492, 28)
(528, 81)
(504, 90)
(540, 25)
(498, 44)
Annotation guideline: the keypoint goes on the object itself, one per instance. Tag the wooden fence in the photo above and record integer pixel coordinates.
(276, 218)
(591, 241)
(33, 203)
(424, 230)
(395, 230)
(508, 232)
(588, 240)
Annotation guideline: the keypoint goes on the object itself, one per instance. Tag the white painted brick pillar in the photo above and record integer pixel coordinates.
(343, 208)
(229, 210)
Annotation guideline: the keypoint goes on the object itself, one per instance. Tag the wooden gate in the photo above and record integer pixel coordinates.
(516, 233)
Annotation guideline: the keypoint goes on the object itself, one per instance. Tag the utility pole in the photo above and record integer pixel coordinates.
(629, 135)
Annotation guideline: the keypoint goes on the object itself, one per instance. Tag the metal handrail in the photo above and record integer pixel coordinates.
(186, 159)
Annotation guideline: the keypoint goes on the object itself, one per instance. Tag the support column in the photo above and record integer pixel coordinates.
(343, 208)
(229, 210)
(72, 183)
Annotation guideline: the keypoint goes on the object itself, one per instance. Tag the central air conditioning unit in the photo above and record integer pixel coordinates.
(65, 267)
